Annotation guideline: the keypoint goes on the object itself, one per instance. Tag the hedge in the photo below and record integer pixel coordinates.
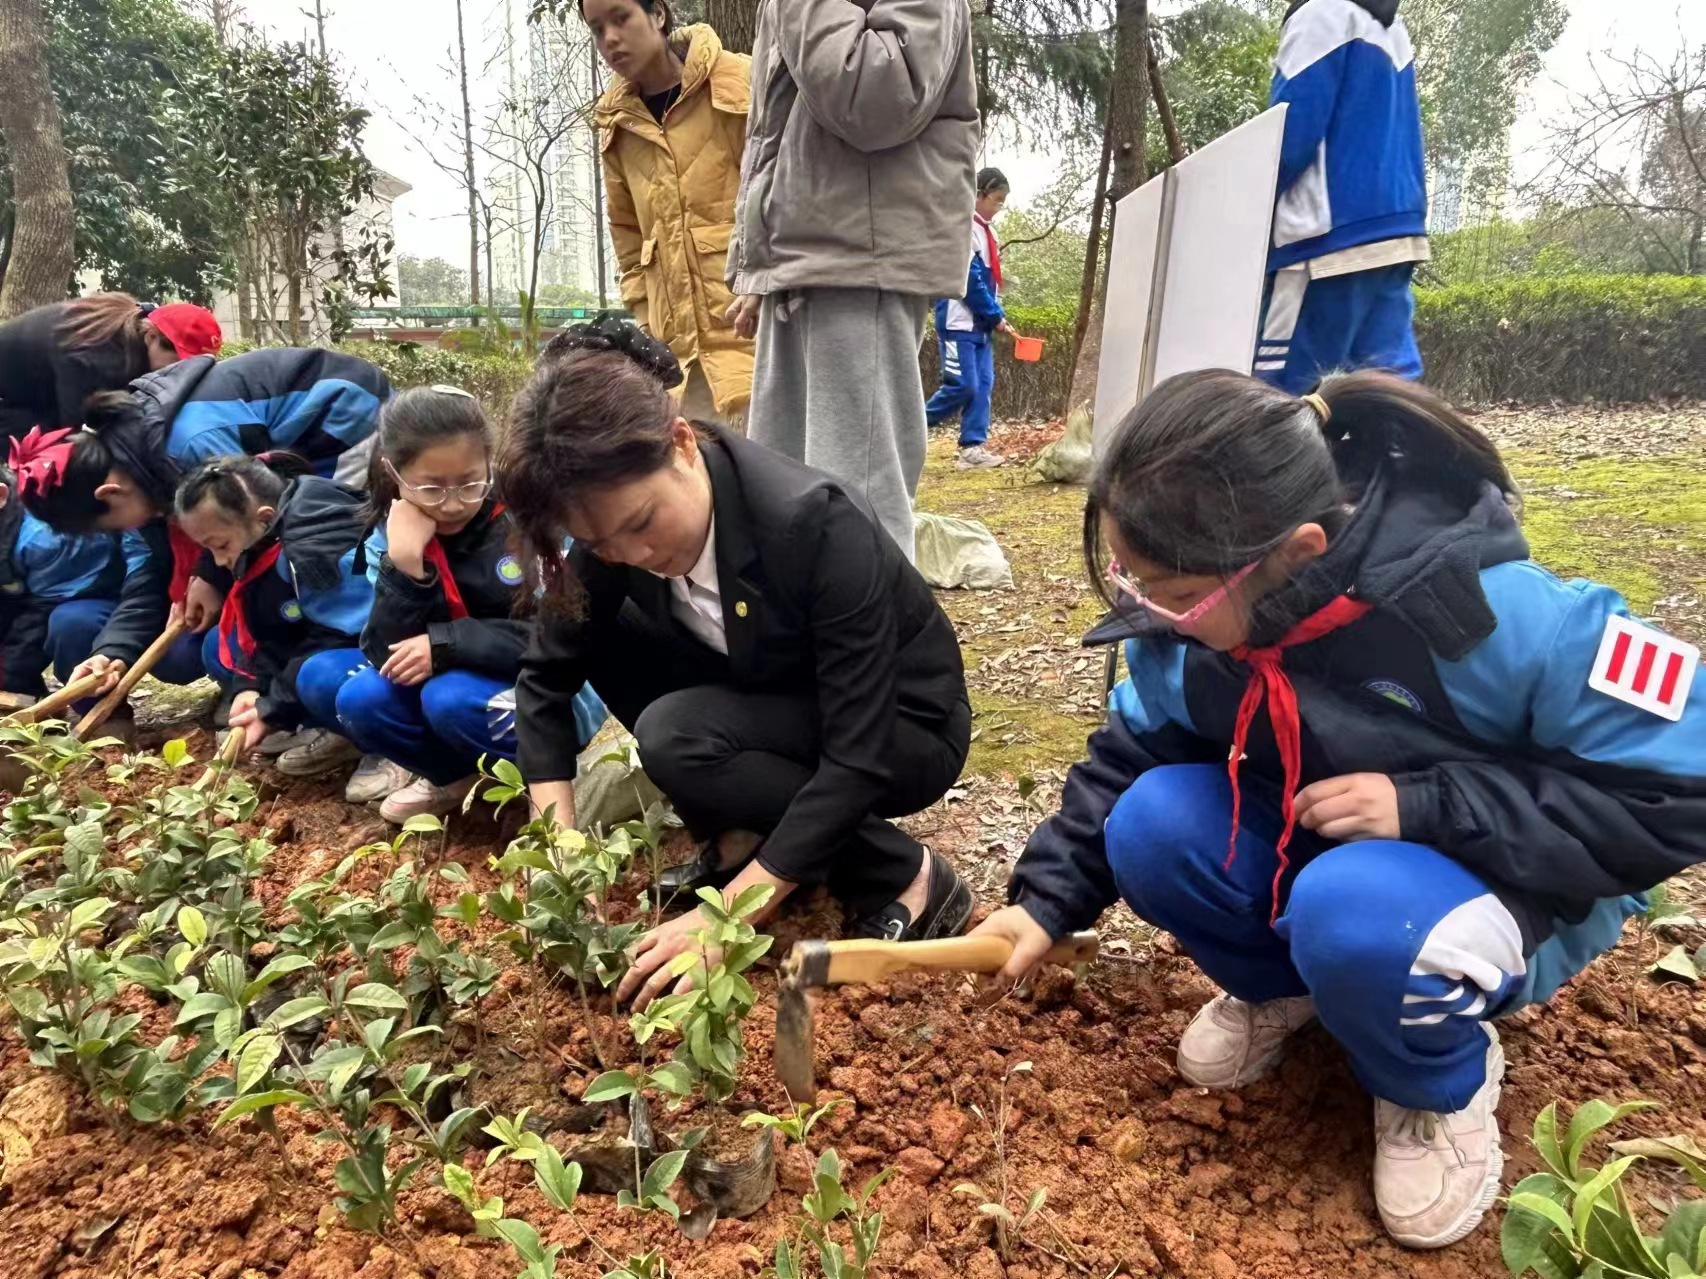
(1573, 338)
(1024, 391)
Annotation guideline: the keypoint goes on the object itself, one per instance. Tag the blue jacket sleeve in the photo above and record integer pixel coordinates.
(981, 301)
(334, 620)
(1606, 799)
(1063, 879)
(1307, 75)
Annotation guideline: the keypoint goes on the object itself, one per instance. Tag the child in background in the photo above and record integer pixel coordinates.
(964, 329)
(290, 547)
(432, 688)
(56, 590)
(1467, 774)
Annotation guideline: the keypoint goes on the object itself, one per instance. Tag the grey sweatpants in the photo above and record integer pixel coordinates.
(836, 386)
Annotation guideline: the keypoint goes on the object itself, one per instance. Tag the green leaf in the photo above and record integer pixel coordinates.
(610, 1086)
(752, 899)
(86, 913)
(256, 1060)
(279, 968)
(1683, 1151)
(227, 1024)
(206, 1004)
(391, 936)
(558, 1182)
(1589, 1118)
(193, 925)
(674, 1078)
(1596, 1186)
(376, 997)
(523, 1238)
(785, 1265)
(176, 753)
(460, 1183)
(662, 1174)
(298, 1010)
(1684, 1235)
(261, 1101)
(1523, 1234)
(1678, 965)
(1546, 1139)
(422, 824)
(1548, 1211)
(453, 873)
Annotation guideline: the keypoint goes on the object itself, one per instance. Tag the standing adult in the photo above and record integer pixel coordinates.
(965, 332)
(53, 358)
(1351, 221)
(855, 192)
(672, 128)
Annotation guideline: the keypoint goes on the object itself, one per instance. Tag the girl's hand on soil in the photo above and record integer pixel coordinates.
(408, 529)
(410, 662)
(744, 315)
(651, 956)
(110, 669)
(201, 606)
(1030, 941)
(1356, 806)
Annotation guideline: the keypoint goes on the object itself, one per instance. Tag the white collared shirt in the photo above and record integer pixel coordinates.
(696, 601)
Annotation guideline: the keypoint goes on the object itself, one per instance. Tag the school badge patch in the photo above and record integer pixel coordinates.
(509, 571)
(290, 610)
(1644, 667)
(1393, 691)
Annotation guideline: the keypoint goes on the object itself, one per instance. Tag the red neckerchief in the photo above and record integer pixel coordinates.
(994, 249)
(434, 555)
(234, 619)
(186, 554)
(1268, 677)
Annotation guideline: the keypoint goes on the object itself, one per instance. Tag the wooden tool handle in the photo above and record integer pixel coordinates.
(225, 758)
(860, 960)
(132, 677)
(53, 703)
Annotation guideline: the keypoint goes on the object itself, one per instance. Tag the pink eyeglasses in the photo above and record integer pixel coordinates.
(1202, 608)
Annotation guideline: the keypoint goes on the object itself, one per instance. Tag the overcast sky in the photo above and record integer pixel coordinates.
(398, 56)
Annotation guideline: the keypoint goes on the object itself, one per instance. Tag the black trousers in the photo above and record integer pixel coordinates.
(731, 759)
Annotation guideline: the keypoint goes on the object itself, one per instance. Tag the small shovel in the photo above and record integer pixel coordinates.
(812, 965)
(53, 703)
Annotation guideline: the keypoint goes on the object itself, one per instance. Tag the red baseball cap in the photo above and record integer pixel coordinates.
(191, 329)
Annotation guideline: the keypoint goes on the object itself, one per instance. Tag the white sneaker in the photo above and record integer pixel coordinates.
(1230, 1042)
(1436, 1175)
(421, 796)
(978, 458)
(275, 744)
(319, 752)
(375, 778)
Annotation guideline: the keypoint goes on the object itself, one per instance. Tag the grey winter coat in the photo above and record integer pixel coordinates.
(861, 148)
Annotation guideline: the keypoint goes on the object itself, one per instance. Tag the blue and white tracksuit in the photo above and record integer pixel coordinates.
(309, 599)
(1534, 810)
(1351, 217)
(465, 711)
(963, 329)
(56, 592)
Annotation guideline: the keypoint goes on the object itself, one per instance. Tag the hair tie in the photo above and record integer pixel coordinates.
(443, 388)
(40, 458)
(1320, 406)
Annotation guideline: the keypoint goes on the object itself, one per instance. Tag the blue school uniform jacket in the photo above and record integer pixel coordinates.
(315, 403)
(492, 634)
(309, 598)
(979, 313)
(1468, 684)
(1351, 163)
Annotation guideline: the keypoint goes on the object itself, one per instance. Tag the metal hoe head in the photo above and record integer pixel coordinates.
(793, 1048)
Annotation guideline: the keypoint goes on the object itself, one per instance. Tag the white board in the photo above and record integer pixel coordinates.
(1186, 268)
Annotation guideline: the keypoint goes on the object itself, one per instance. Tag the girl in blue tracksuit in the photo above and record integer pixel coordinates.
(122, 469)
(966, 330)
(431, 689)
(290, 547)
(1370, 764)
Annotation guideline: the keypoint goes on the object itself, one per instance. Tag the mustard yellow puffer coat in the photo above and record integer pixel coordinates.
(670, 190)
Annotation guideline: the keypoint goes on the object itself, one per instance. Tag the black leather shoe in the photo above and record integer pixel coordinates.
(947, 908)
(685, 879)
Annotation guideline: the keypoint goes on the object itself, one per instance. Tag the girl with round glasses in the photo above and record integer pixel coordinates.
(431, 689)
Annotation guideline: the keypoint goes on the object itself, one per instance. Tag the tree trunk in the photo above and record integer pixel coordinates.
(468, 165)
(985, 93)
(1163, 108)
(1087, 293)
(1130, 101)
(599, 219)
(43, 244)
(735, 22)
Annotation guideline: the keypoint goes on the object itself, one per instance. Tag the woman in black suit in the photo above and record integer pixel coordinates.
(790, 678)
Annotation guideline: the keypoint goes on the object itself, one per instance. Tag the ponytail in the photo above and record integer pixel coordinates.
(103, 319)
(240, 485)
(1215, 469)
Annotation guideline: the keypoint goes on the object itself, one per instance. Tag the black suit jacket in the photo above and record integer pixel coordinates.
(817, 600)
